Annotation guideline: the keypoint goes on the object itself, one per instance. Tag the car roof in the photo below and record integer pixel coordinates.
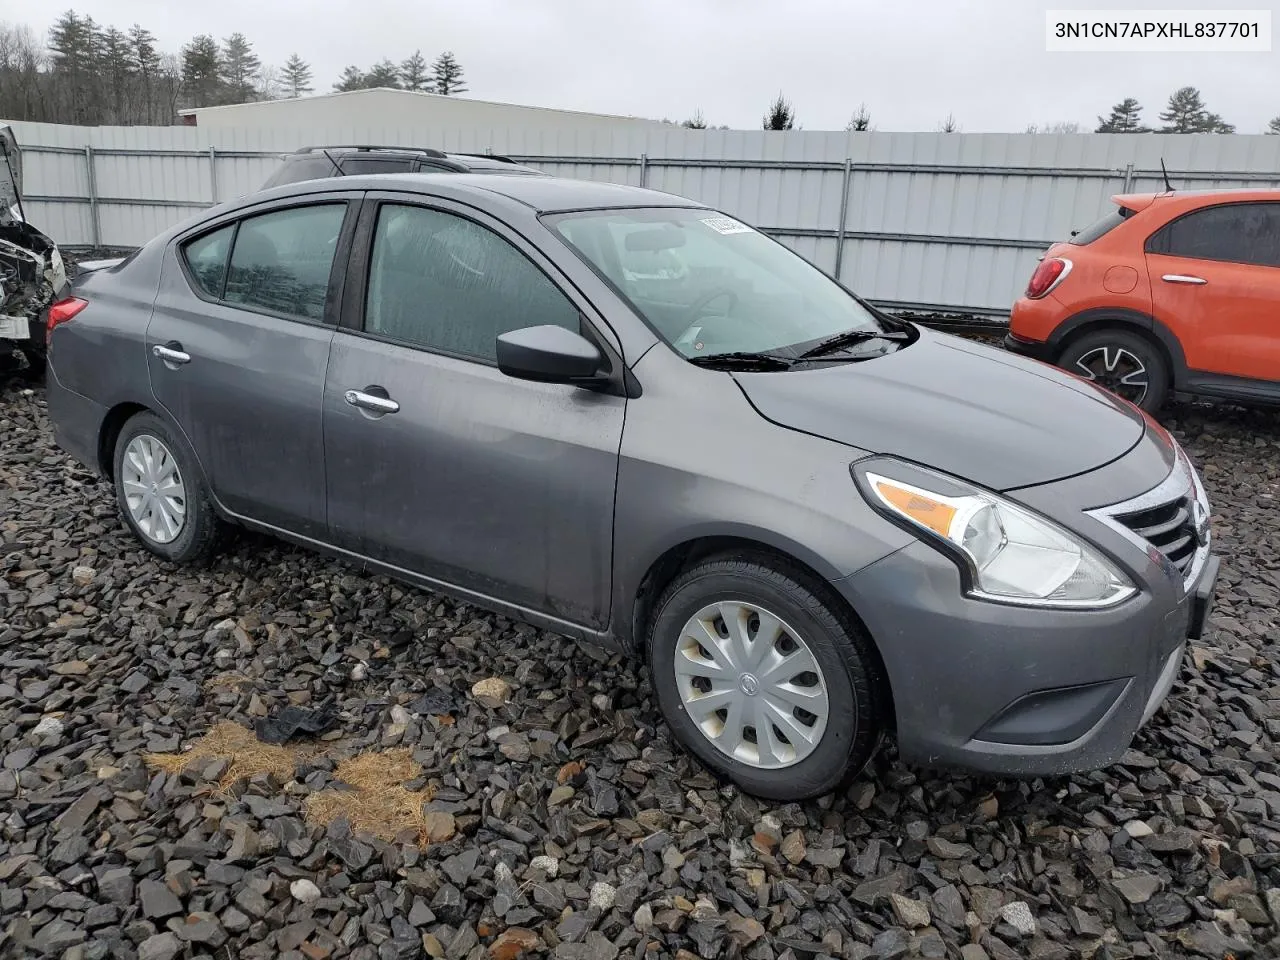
(545, 194)
(476, 161)
(1191, 198)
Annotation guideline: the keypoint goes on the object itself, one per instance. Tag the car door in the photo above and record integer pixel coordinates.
(438, 463)
(1215, 277)
(238, 345)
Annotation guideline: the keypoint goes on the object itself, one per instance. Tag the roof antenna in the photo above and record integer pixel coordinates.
(1167, 185)
(341, 172)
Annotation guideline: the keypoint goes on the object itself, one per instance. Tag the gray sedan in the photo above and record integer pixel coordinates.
(634, 420)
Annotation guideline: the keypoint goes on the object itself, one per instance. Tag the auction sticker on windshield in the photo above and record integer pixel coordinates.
(726, 225)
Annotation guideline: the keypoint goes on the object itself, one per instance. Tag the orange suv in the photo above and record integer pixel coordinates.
(1168, 292)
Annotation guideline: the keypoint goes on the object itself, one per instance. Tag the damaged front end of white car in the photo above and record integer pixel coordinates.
(32, 273)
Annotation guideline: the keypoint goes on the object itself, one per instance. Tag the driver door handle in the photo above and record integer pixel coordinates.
(368, 401)
(1182, 278)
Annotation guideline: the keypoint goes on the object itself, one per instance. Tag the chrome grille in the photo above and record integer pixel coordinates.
(1165, 518)
(1169, 528)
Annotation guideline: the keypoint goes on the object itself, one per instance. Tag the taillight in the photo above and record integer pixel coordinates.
(1049, 274)
(61, 312)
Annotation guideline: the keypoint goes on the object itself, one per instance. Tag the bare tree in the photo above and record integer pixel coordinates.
(949, 125)
(1062, 126)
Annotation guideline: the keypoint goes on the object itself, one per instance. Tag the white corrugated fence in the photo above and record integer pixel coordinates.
(929, 221)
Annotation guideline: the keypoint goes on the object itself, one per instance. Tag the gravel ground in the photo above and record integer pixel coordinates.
(567, 822)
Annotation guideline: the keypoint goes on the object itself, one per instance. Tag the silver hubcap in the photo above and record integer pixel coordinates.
(751, 685)
(153, 489)
(1116, 369)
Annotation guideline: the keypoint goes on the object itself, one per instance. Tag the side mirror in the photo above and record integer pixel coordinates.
(548, 354)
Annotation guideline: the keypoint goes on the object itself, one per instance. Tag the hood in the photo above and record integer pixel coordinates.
(973, 411)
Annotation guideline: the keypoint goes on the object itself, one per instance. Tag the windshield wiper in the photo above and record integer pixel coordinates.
(742, 360)
(850, 337)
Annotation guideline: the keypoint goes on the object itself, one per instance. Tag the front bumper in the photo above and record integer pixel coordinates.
(1026, 691)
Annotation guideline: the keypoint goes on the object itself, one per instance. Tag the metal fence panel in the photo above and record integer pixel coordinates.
(931, 221)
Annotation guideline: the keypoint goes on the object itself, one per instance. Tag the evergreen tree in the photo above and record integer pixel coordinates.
(384, 73)
(446, 75)
(74, 49)
(860, 120)
(1126, 117)
(239, 68)
(1274, 126)
(295, 78)
(352, 79)
(116, 74)
(146, 69)
(780, 116)
(1187, 113)
(413, 73)
(201, 72)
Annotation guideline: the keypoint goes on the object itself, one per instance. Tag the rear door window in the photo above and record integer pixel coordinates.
(1232, 232)
(281, 260)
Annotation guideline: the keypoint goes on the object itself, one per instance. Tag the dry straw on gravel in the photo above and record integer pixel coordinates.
(245, 754)
(377, 802)
(373, 797)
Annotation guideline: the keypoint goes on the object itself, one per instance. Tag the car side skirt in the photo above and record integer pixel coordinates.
(574, 631)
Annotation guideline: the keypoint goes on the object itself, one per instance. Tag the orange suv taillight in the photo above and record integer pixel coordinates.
(61, 312)
(1048, 275)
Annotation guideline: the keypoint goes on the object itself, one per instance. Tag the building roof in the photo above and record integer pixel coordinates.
(408, 96)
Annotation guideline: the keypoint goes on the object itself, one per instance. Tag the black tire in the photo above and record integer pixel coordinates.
(855, 727)
(201, 530)
(1092, 347)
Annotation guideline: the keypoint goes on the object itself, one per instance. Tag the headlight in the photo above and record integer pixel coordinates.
(1011, 555)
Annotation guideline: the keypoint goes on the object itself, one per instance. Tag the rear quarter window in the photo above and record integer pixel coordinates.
(206, 258)
(1102, 226)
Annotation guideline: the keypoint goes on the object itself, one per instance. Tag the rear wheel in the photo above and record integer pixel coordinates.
(1124, 362)
(160, 492)
(764, 681)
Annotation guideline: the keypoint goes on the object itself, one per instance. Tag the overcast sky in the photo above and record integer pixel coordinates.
(911, 61)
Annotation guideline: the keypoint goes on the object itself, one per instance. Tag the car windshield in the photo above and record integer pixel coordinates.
(710, 285)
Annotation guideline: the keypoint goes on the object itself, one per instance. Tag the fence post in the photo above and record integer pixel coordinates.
(644, 169)
(95, 219)
(213, 174)
(1128, 177)
(844, 214)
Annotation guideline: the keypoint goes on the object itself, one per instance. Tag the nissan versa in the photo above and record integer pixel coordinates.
(634, 420)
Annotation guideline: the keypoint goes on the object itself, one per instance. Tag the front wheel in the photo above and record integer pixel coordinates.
(1127, 364)
(764, 681)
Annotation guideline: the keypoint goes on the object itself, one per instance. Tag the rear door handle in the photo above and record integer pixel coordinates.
(171, 355)
(1182, 278)
(369, 401)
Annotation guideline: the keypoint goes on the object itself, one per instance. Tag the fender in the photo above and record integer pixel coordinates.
(1099, 317)
(632, 574)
